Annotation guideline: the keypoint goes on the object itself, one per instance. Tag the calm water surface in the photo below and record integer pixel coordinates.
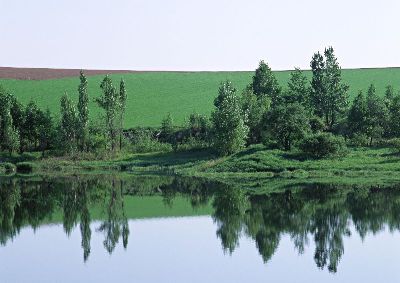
(159, 229)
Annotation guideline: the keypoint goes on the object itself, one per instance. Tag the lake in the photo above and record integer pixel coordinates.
(105, 228)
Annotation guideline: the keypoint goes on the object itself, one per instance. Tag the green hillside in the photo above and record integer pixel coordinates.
(153, 94)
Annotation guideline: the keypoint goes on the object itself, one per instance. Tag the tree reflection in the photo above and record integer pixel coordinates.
(323, 214)
(116, 223)
(230, 206)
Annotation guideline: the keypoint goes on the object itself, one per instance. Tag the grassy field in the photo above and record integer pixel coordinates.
(152, 95)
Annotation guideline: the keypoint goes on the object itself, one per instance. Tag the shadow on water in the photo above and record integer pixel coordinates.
(320, 213)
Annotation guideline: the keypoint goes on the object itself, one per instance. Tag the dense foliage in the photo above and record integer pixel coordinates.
(229, 127)
(322, 145)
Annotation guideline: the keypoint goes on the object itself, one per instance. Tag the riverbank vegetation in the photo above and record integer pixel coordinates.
(306, 127)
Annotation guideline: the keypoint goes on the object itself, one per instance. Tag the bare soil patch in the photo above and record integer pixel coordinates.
(47, 73)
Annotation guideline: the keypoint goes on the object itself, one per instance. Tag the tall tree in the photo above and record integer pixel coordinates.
(110, 102)
(394, 117)
(254, 108)
(30, 131)
(389, 96)
(83, 111)
(17, 113)
(265, 83)
(298, 89)
(376, 115)
(47, 132)
(329, 93)
(122, 99)
(357, 115)
(167, 128)
(69, 121)
(318, 89)
(230, 129)
(8, 134)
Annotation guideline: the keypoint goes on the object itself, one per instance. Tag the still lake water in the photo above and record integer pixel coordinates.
(166, 229)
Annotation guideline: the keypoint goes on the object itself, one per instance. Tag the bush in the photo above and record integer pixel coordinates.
(323, 145)
(7, 168)
(394, 143)
(26, 167)
(359, 140)
(199, 126)
(192, 143)
(317, 124)
(143, 141)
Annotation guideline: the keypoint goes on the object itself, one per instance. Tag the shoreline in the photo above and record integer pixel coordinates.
(255, 165)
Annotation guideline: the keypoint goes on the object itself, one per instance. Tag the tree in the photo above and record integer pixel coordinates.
(229, 126)
(389, 96)
(298, 89)
(122, 99)
(69, 121)
(199, 126)
(318, 91)
(287, 124)
(83, 112)
(47, 132)
(254, 108)
(14, 140)
(17, 113)
(394, 116)
(167, 128)
(328, 92)
(8, 134)
(265, 83)
(30, 131)
(357, 116)
(110, 102)
(376, 115)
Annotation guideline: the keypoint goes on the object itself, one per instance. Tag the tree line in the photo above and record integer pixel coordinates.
(29, 128)
(313, 114)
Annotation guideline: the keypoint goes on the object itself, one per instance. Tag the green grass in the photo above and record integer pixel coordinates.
(154, 94)
(256, 159)
(255, 164)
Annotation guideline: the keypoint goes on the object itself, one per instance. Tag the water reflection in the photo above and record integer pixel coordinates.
(323, 214)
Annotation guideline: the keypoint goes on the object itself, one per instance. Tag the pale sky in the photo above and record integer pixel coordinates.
(197, 35)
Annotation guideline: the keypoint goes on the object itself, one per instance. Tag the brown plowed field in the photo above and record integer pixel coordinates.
(45, 74)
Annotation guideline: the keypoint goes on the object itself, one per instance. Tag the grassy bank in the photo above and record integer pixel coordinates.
(253, 165)
(152, 95)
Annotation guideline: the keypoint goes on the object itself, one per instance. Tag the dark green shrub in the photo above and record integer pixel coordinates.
(317, 124)
(192, 143)
(199, 127)
(359, 140)
(394, 143)
(144, 141)
(25, 167)
(322, 145)
(7, 168)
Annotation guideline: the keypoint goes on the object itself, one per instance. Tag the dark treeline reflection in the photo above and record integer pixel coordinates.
(320, 213)
(32, 202)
